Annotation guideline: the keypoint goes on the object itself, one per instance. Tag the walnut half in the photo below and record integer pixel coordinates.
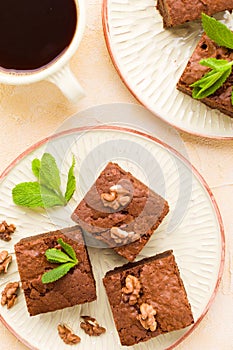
(132, 289)
(5, 260)
(147, 318)
(118, 196)
(6, 231)
(123, 237)
(67, 335)
(91, 326)
(9, 294)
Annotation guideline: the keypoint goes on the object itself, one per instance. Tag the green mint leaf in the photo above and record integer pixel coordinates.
(57, 273)
(207, 80)
(36, 167)
(49, 173)
(217, 31)
(27, 194)
(54, 255)
(45, 193)
(209, 89)
(215, 63)
(212, 80)
(51, 198)
(32, 195)
(68, 249)
(71, 182)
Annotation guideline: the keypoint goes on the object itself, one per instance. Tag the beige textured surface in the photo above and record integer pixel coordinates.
(30, 113)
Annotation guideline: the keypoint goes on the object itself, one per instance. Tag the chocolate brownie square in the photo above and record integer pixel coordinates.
(76, 287)
(176, 12)
(120, 211)
(147, 298)
(194, 71)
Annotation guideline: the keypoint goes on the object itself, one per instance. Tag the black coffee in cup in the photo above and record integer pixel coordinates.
(34, 32)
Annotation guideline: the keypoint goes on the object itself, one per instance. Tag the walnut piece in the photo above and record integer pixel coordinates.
(108, 197)
(91, 326)
(147, 318)
(6, 230)
(9, 294)
(117, 197)
(5, 261)
(123, 237)
(67, 335)
(132, 289)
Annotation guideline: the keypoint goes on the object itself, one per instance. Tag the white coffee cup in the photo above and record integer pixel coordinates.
(57, 71)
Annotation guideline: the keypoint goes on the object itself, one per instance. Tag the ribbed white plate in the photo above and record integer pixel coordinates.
(150, 61)
(193, 229)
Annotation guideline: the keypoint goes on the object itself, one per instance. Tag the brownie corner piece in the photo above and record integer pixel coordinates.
(147, 298)
(178, 12)
(76, 287)
(206, 48)
(120, 211)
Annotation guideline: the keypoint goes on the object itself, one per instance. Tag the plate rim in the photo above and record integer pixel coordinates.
(107, 36)
(184, 160)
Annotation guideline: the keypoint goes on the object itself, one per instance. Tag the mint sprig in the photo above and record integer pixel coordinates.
(67, 248)
(217, 31)
(36, 167)
(49, 175)
(220, 69)
(66, 259)
(71, 182)
(214, 79)
(57, 256)
(46, 192)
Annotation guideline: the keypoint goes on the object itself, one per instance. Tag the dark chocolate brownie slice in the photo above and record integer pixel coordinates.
(206, 48)
(121, 211)
(147, 298)
(176, 12)
(76, 287)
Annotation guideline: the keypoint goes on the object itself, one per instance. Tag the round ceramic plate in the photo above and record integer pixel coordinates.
(150, 61)
(193, 229)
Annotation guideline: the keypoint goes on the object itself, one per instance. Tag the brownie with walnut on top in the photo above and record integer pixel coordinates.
(177, 12)
(76, 287)
(147, 298)
(206, 48)
(121, 211)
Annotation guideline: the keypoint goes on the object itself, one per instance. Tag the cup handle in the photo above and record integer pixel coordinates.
(68, 84)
